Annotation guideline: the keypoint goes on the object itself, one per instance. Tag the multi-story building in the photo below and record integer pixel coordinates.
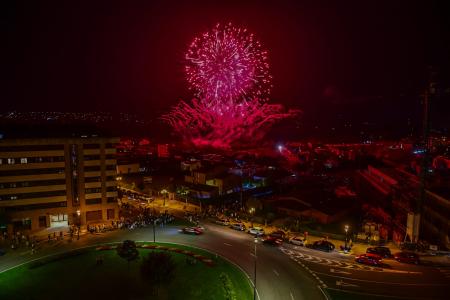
(57, 182)
(394, 193)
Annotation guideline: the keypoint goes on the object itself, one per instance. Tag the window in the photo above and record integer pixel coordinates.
(93, 215)
(111, 200)
(110, 214)
(11, 161)
(23, 160)
(42, 221)
(1, 161)
(93, 201)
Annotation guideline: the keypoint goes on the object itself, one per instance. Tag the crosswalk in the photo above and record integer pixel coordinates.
(297, 255)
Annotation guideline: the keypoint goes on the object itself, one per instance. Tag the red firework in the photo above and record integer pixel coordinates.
(230, 74)
(228, 64)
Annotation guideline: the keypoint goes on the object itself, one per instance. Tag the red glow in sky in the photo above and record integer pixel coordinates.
(230, 74)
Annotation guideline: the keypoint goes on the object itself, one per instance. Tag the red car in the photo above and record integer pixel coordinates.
(407, 257)
(272, 241)
(191, 230)
(369, 259)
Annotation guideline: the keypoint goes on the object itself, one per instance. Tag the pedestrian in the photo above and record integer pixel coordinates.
(61, 236)
(54, 236)
(49, 238)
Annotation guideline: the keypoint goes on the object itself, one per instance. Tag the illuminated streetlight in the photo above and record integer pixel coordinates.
(346, 227)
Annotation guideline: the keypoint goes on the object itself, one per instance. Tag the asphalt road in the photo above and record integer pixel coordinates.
(287, 272)
(340, 273)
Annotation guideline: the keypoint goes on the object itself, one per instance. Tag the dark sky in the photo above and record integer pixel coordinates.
(128, 55)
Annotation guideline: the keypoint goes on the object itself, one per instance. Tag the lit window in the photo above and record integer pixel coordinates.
(23, 160)
(1, 161)
(11, 161)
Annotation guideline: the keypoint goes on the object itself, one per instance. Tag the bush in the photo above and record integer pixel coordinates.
(228, 287)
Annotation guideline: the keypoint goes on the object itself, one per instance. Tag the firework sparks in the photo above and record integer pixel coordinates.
(228, 64)
(229, 72)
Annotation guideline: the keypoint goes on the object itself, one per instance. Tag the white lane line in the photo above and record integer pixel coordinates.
(226, 244)
(292, 296)
(339, 271)
(276, 273)
(384, 282)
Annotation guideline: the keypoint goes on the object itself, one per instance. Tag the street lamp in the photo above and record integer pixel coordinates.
(164, 192)
(346, 227)
(252, 212)
(78, 224)
(254, 271)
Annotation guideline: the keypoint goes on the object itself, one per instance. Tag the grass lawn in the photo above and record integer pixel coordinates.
(79, 277)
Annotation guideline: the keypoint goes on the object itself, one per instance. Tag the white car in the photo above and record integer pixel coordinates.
(223, 222)
(297, 240)
(256, 231)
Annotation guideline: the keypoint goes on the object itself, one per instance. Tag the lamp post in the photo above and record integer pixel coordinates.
(154, 235)
(252, 212)
(78, 224)
(254, 271)
(164, 192)
(346, 227)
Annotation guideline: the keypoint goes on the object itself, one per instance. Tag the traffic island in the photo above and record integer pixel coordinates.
(100, 273)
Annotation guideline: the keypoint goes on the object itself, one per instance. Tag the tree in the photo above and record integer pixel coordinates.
(158, 268)
(127, 250)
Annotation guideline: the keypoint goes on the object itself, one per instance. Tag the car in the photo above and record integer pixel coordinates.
(238, 226)
(223, 222)
(2, 252)
(407, 257)
(258, 231)
(278, 234)
(384, 252)
(297, 240)
(270, 240)
(191, 230)
(370, 259)
(322, 246)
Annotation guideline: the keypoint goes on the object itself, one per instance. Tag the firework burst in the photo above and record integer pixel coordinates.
(228, 64)
(229, 72)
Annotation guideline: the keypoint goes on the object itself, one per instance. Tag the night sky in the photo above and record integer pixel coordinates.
(337, 59)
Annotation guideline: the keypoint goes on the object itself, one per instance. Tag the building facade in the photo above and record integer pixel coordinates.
(46, 183)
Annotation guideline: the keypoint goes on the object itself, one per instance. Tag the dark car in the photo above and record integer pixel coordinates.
(369, 259)
(278, 234)
(407, 257)
(384, 252)
(270, 240)
(323, 246)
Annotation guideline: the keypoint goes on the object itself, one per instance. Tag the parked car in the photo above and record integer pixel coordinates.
(191, 230)
(223, 222)
(369, 259)
(271, 240)
(238, 226)
(278, 234)
(258, 231)
(407, 257)
(297, 240)
(384, 252)
(323, 246)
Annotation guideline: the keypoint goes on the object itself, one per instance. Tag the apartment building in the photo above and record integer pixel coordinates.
(46, 183)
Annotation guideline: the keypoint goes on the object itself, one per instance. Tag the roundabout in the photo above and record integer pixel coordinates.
(98, 272)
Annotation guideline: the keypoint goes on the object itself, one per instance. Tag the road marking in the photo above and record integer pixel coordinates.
(292, 296)
(341, 283)
(339, 271)
(384, 282)
(226, 244)
(276, 273)
(376, 295)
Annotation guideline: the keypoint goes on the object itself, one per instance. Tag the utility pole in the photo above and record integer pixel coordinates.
(429, 92)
